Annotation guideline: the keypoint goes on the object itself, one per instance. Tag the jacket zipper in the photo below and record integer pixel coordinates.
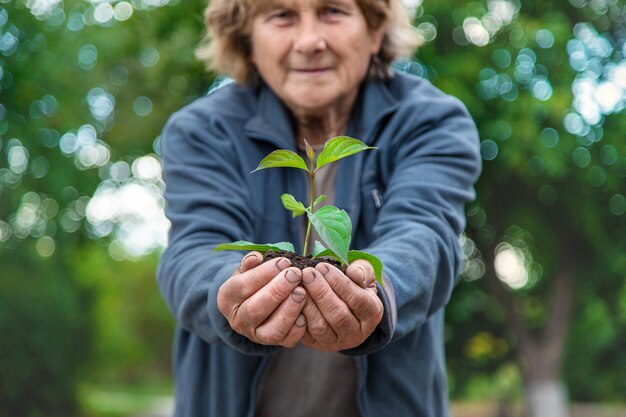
(356, 199)
(254, 386)
(361, 386)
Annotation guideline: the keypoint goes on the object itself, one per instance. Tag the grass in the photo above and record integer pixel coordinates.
(155, 399)
(494, 409)
(125, 400)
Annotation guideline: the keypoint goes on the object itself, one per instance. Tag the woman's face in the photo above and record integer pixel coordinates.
(313, 53)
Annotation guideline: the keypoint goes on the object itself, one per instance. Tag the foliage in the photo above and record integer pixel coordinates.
(83, 101)
(332, 224)
(132, 328)
(46, 339)
(83, 98)
(545, 83)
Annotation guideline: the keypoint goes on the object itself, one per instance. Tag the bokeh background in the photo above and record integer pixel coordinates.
(538, 320)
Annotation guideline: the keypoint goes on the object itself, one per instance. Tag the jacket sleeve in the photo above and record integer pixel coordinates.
(207, 204)
(430, 168)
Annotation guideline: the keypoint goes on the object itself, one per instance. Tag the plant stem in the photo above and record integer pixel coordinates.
(312, 199)
(306, 239)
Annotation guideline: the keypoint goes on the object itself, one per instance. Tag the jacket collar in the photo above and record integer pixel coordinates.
(374, 102)
(274, 123)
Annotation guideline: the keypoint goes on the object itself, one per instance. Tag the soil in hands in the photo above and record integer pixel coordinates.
(302, 262)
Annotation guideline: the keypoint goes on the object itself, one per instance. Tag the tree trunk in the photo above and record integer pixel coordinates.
(540, 353)
(546, 398)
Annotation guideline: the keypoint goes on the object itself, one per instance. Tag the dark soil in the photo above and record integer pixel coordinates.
(302, 262)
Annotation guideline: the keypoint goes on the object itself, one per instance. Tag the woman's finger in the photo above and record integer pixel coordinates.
(250, 261)
(259, 306)
(362, 273)
(333, 308)
(240, 287)
(296, 333)
(275, 329)
(317, 326)
(363, 302)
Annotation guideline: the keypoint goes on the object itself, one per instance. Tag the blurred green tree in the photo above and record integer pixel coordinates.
(85, 88)
(44, 323)
(545, 82)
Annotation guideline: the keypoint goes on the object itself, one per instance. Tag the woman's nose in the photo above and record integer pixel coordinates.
(309, 37)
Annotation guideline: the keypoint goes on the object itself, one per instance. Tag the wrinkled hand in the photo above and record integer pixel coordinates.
(263, 301)
(341, 310)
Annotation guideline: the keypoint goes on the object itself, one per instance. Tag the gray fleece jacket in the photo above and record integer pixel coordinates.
(406, 200)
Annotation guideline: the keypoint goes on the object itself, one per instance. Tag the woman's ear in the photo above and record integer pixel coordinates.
(376, 37)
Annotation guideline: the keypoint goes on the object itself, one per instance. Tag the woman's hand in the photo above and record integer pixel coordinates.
(263, 301)
(341, 310)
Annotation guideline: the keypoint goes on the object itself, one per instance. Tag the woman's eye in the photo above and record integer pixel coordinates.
(332, 11)
(281, 15)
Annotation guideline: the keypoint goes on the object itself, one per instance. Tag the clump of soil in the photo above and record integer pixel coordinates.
(302, 262)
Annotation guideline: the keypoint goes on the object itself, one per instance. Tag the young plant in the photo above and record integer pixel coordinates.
(332, 224)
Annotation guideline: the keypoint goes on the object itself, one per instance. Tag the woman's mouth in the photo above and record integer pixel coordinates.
(311, 71)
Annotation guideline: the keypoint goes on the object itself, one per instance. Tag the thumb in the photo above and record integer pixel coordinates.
(362, 273)
(251, 261)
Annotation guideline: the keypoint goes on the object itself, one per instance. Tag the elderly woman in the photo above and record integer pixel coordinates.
(266, 339)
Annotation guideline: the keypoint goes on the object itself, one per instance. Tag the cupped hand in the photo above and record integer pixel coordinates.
(263, 301)
(341, 310)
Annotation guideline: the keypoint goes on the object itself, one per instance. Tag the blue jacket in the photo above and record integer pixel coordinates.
(406, 200)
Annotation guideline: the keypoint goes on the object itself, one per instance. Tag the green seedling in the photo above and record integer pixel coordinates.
(332, 224)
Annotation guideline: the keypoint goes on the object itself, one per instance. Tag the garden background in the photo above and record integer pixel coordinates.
(539, 317)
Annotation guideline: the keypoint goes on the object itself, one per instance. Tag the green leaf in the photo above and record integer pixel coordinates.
(318, 248)
(282, 158)
(319, 200)
(290, 203)
(310, 152)
(334, 228)
(339, 147)
(328, 253)
(353, 255)
(244, 245)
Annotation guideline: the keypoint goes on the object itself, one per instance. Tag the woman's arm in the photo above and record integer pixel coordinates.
(433, 166)
(208, 203)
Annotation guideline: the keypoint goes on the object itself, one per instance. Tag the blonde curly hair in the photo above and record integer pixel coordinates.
(226, 46)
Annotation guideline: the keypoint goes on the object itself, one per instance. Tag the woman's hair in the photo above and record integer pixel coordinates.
(227, 48)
